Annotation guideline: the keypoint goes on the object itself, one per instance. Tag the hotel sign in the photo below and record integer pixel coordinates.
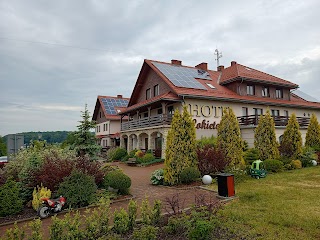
(205, 111)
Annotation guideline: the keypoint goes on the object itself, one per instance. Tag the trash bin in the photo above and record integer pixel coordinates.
(226, 184)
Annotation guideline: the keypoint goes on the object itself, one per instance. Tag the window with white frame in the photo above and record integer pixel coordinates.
(156, 90)
(265, 92)
(250, 89)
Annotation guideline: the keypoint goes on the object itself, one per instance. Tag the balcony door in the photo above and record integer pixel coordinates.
(158, 147)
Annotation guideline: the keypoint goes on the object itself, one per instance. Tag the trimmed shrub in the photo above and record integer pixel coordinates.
(38, 193)
(211, 160)
(201, 230)
(189, 175)
(148, 157)
(139, 154)
(296, 164)
(10, 200)
(145, 233)
(117, 180)
(132, 212)
(273, 165)
(157, 177)
(119, 153)
(121, 221)
(79, 189)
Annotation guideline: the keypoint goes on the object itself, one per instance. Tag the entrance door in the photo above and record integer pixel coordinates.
(146, 143)
(158, 147)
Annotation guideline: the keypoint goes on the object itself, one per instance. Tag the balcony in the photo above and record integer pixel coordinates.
(152, 121)
(253, 120)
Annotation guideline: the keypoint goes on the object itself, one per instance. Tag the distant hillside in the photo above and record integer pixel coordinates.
(50, 137)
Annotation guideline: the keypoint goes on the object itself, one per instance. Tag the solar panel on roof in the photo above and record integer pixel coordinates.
(183, 76)
(305, 96)
(111, 103)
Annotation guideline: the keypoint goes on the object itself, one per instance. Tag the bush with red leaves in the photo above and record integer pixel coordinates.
(211, 160)
(54, 170)
(91, 168)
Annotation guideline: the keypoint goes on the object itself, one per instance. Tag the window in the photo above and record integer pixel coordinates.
(170, 110)
(159, 111)
(100, 114)
(106, 126)
(265, 92)
(148, 93)
(279, 93)
(258, 111)
(156, 90)
(286, 113)
(210, 85)
(145, 115)
(244, 111)
(275, 113)
(250, 90)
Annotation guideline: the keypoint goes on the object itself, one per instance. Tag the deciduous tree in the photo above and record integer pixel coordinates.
(265, 138)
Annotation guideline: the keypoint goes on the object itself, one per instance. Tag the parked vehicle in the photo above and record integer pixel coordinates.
(50, 206)
(258, 170)
(3, 161)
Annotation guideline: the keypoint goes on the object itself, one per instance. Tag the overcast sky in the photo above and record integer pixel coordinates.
(56, 56)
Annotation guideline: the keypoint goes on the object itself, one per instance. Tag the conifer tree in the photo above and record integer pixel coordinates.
(265, 140)
(313, 133)
(229, 138)
(291, 144)
(180, 150)
(85, 141)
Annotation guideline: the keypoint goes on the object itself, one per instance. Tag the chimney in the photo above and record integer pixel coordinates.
(233, 63)
(176, 62)
(119, 96)
(220, 68)
(202, 66)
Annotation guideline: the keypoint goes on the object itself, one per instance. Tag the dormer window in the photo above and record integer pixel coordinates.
(156, 91)
(279, 93)
(148, 93)
(265, 92)
(250, 89)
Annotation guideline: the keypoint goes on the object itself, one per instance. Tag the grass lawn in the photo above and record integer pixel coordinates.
(282, 206)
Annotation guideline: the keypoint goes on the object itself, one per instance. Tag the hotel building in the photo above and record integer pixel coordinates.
(163, 87)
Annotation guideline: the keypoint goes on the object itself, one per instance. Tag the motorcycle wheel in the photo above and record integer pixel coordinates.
(43, 212)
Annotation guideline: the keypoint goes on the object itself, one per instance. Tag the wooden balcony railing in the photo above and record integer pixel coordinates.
(278, 120)
(147, 122)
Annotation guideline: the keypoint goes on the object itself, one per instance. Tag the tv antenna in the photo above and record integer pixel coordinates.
(219, 55)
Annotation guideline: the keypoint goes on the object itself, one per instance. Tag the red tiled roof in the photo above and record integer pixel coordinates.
(221, 92)
(240, 71)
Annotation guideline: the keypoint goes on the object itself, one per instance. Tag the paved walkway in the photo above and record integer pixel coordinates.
(141, 187)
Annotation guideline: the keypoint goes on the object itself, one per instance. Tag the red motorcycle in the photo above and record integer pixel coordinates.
(50, 206)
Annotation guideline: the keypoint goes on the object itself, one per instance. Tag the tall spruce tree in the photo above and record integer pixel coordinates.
(85, 141)
(313, 133)
(3, 147)
(291, 143)
(229, 138)
(265, 140)
(180, 147)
